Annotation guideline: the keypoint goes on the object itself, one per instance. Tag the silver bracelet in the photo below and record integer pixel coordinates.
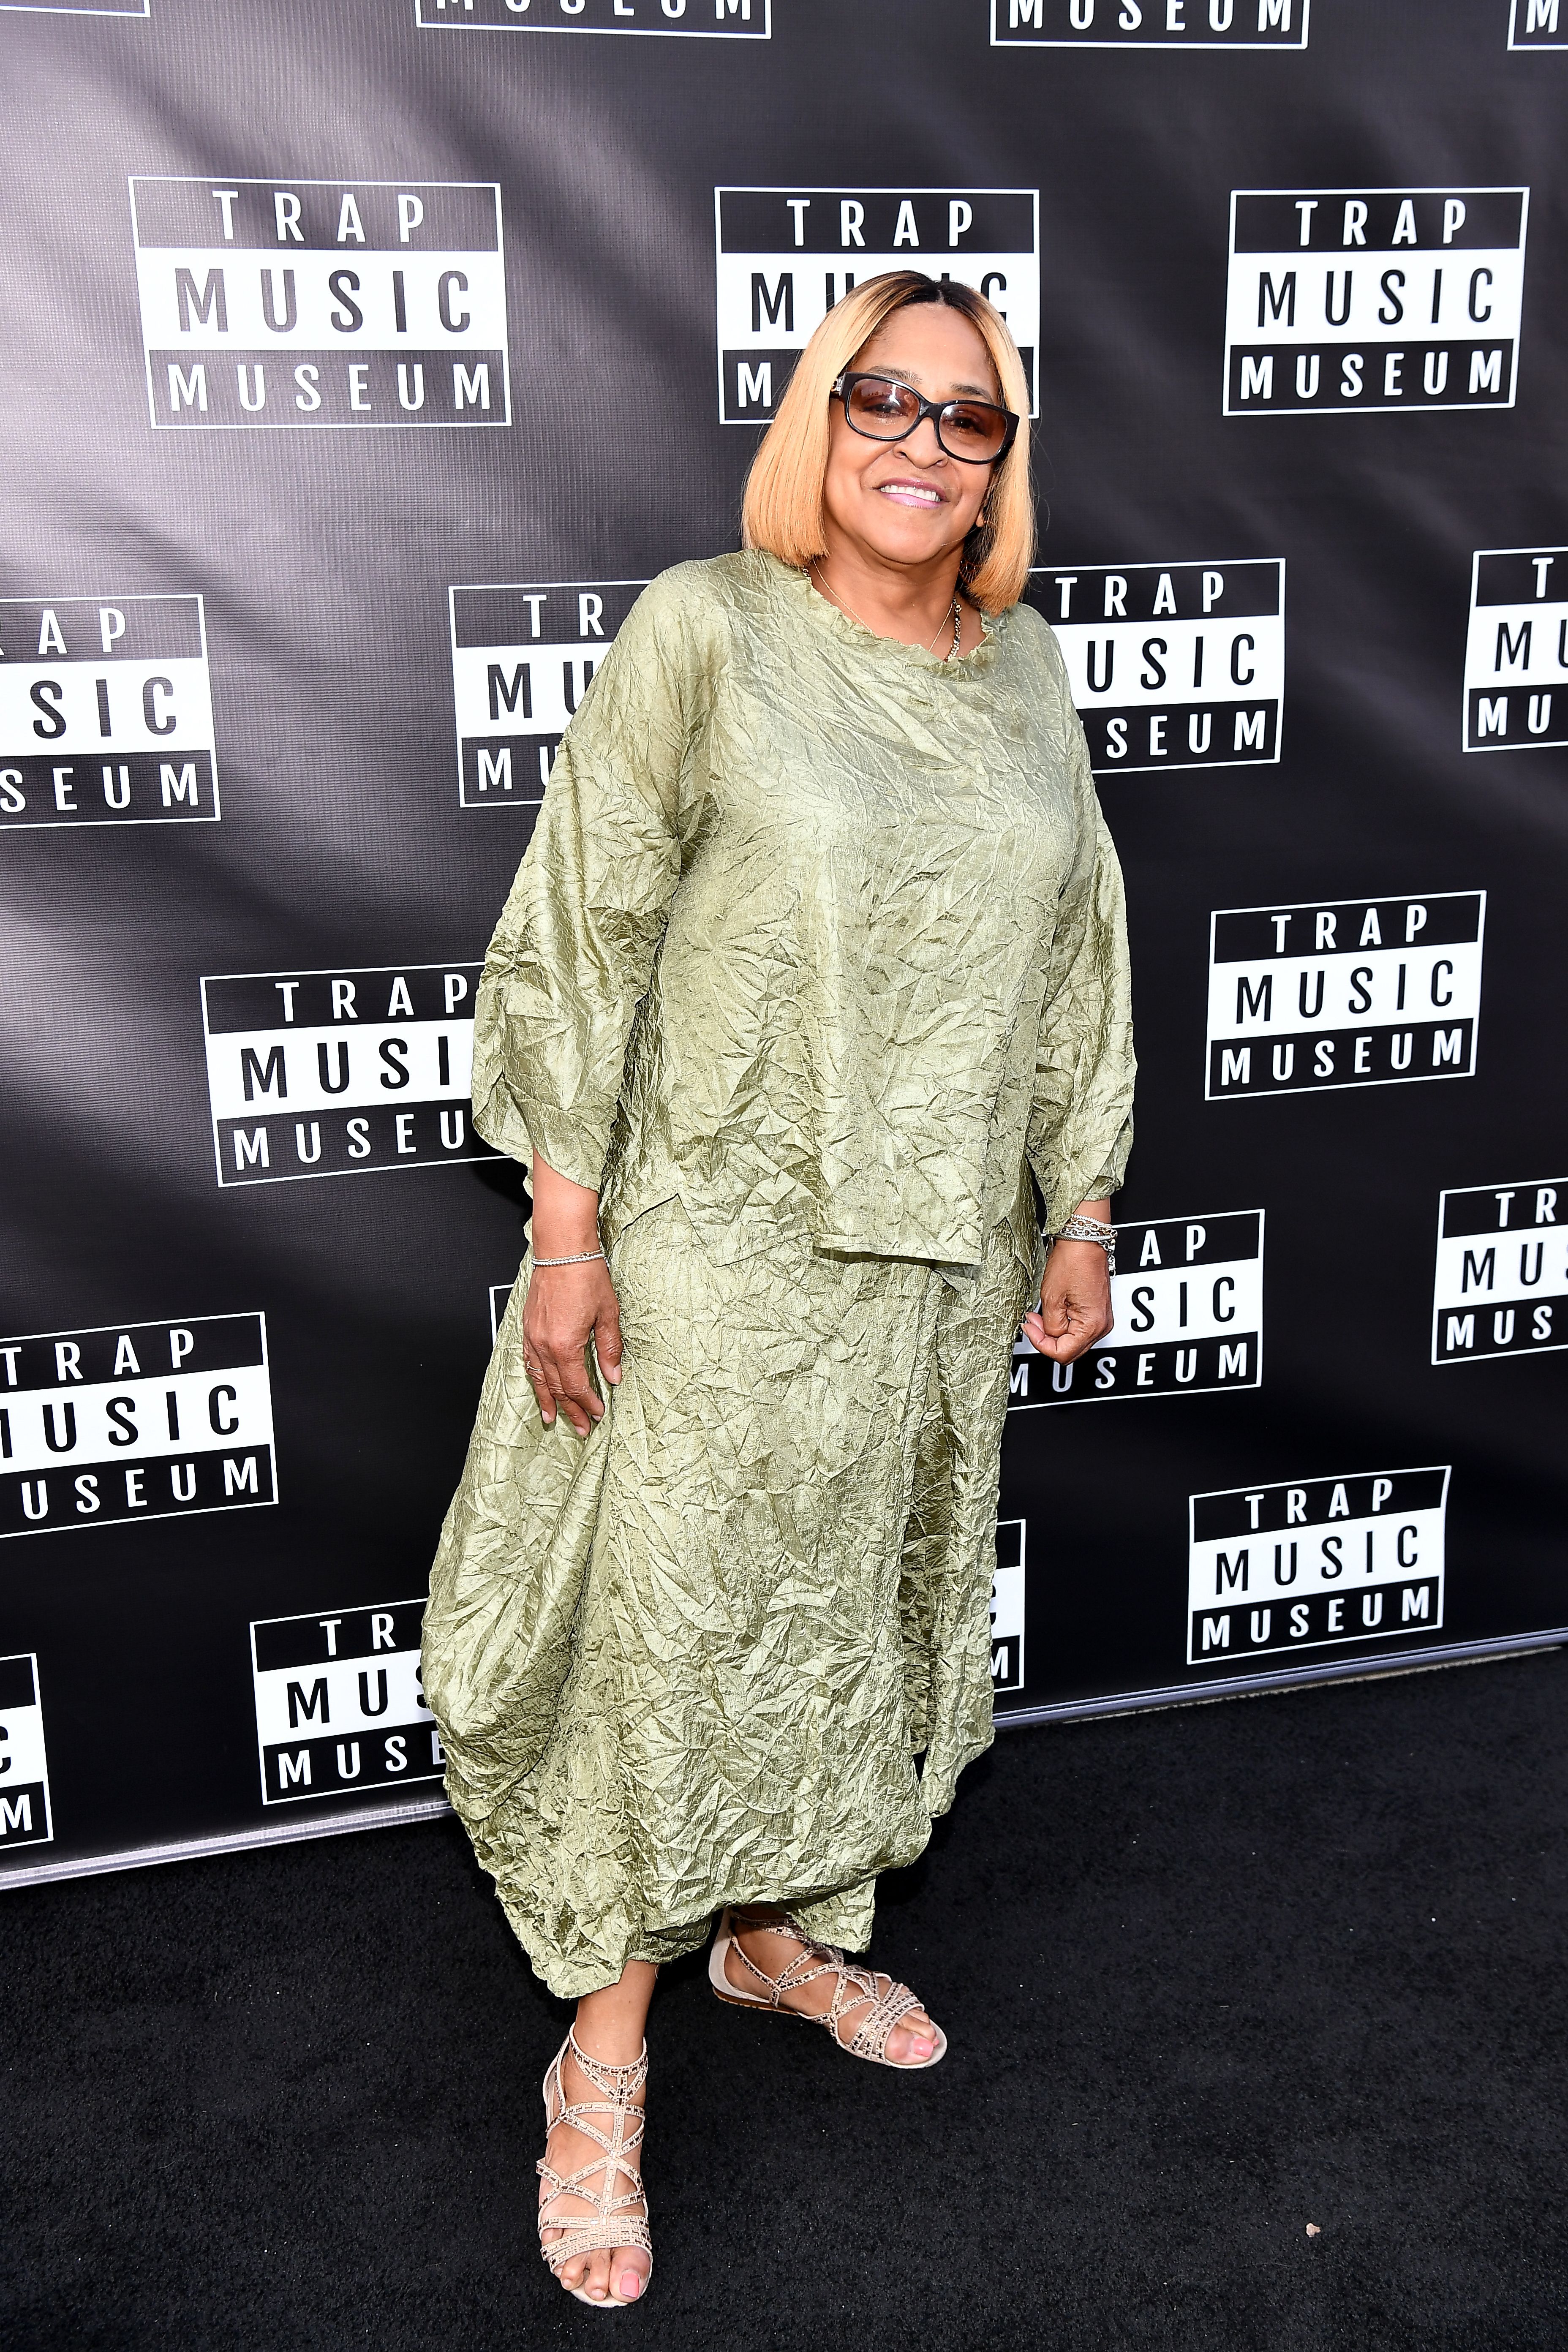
(1090, 1229)
(582, 1257)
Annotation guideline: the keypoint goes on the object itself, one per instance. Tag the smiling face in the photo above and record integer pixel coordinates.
(907, 502)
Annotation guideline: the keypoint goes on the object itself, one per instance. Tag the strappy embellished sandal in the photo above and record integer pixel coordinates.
(619, 2216)
(886, 2003)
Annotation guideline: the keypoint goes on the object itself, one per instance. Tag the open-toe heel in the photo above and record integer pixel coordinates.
(619, 2216)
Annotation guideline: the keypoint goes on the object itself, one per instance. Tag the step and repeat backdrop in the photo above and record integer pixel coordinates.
(361, 365)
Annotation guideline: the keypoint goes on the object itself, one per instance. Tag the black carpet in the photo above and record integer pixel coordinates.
(1209, 1976)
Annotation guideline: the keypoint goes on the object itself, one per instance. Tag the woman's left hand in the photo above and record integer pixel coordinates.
(1075, 1302)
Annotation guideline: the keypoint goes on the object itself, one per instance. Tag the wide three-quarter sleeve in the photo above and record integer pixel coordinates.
(575, 944)
(1080, 1124)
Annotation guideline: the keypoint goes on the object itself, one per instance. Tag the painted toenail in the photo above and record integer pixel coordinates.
(630, 2284)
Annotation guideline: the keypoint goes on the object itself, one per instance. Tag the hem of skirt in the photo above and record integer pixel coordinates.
(597, 1972)
(573, 1980)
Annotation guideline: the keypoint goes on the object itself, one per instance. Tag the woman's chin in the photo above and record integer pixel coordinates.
(906, 534)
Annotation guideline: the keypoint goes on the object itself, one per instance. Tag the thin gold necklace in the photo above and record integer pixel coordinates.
(955, 615)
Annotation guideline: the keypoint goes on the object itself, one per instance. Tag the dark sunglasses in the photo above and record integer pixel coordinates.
(976, 432)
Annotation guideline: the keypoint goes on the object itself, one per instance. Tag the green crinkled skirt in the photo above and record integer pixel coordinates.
(691, 1659)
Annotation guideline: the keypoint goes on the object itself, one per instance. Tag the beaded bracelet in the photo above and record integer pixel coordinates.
(582, 1257)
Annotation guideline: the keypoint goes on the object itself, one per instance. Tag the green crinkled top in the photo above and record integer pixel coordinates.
(815, 930)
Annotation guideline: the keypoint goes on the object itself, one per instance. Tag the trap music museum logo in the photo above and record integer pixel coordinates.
(25, 1818)
(339, 1074)
(1188, 1307)
(1364, 991)
(745, 20)
(1007, 1607)
(1515, 655)
(1325, 1564)
(1536, 25)
(339, 1708)
(322, 302)
(1501, 1283)
(1173, 665)
(140, 1421)
(1149, 24)
(1345, 301)
(785, 256)
(106, 713)
(521, 660)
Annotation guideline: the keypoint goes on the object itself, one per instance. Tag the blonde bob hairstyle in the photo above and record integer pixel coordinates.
(782, 507)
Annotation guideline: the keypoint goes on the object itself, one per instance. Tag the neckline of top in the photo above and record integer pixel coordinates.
(840, 622)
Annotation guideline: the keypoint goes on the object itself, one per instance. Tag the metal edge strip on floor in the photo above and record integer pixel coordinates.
(92, 1865)
(423, 1809)
(1391, 1662)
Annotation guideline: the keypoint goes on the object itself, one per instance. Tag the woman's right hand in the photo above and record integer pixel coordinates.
(567, 1307)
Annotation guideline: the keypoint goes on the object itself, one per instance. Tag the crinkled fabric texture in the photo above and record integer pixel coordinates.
(691, 1660)
(815, 930)
(817, 955)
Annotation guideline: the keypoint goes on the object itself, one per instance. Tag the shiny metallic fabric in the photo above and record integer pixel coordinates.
(817, 955)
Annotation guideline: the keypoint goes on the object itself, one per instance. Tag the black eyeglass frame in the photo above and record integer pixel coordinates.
(935, 409)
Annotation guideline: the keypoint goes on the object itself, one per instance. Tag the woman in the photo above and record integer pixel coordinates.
(814, 977)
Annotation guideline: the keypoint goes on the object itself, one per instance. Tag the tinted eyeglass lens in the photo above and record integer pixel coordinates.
(972, 428)
(887, 410)
(882, 408)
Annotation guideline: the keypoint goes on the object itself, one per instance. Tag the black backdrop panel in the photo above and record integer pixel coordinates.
(360, 364)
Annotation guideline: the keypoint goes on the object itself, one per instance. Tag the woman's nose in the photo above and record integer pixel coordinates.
(923, 444)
